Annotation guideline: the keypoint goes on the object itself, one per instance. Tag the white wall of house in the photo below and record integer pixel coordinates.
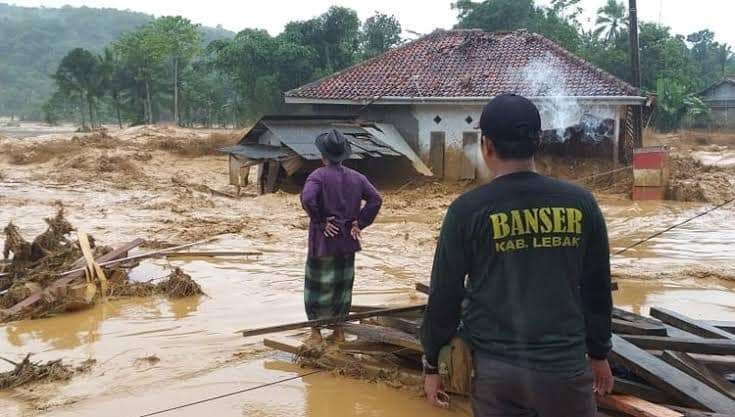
(453, 122)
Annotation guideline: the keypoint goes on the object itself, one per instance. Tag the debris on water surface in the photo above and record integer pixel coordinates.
(26, 372)
(179, 285)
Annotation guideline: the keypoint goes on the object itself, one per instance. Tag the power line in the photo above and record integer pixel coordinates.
(270, 384)
(657, 234)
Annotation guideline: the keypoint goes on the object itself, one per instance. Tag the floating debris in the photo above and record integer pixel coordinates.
(26, 372)
(179, 285)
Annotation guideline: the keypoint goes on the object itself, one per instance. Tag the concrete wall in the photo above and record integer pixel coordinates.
(454, 123)
(417, 122)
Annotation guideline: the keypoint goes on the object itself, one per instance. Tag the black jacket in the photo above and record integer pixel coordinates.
(524, 263)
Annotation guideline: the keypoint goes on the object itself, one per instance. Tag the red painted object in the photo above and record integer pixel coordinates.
(654, 157)
(649, 193)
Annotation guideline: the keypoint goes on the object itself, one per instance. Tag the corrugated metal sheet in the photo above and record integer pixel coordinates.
(257, 151)
(297, 136)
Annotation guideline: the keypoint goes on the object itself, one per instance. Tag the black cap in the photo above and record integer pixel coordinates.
(334, 146)
(510, 118)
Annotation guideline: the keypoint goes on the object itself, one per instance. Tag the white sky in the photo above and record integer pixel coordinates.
(683, 16)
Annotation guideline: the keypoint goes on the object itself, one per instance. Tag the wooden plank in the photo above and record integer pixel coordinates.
(668, 379)
(718, 363)
(331, 361)
(381, 334)
(422, 288)
(36, 296)
(691, 366)
(330, 321)
(684, 344)
(212, 254)
(635, 407)
(626, 387)
(405, 325)
(639, 328)
(728, 326)
(285, 345)
(690, 325)
(619, 313)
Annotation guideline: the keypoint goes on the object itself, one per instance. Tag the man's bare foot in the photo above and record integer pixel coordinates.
(338, 336)
(315, 338)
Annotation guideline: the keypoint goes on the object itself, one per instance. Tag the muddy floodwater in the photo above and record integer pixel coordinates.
(154, 354)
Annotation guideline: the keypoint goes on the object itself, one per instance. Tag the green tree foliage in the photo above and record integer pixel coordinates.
(180, 41)
(612, 21)
(380, 32)
(682, 66)
(558, 22)
(34, 40)
(78, 76)
(675, 103)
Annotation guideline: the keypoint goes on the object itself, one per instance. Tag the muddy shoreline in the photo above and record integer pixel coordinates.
(155, 183)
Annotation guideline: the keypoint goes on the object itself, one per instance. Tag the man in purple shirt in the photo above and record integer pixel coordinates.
(332, 197)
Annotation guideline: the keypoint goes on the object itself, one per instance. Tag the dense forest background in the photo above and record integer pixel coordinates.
(33, 41)
(102, 65)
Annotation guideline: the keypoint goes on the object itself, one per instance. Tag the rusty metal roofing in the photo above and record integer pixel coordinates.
(298, 134)
(466, 63)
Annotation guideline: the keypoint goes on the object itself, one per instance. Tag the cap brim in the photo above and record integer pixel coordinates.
(334, 158)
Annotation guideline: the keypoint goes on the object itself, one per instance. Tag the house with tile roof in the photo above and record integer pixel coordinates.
(720, 98)
(433, 89)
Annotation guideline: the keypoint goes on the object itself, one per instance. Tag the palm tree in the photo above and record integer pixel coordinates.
(611, 21)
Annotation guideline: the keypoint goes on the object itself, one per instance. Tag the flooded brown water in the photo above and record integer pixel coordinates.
(154, 353)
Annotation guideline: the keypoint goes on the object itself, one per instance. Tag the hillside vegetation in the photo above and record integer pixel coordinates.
(34, 40)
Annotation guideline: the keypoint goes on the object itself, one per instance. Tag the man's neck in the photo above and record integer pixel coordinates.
(512, 166)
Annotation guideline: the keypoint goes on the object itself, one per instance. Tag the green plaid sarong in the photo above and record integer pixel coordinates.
(328, 286)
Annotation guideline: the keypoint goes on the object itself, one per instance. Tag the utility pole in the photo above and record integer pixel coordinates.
(635, 60)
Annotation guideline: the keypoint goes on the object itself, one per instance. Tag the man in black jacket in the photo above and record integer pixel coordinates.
(522, 274)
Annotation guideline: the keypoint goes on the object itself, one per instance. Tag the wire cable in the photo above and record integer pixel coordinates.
(657, 234)
(269, 384)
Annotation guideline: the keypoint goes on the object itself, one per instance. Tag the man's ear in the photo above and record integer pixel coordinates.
(487, 148)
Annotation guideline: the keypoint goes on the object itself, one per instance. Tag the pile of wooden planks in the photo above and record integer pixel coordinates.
(665, 365)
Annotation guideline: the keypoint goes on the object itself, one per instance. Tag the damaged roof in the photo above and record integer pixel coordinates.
(287, 135)
(466, 64)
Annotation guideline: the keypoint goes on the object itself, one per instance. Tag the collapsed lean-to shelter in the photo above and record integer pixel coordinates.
(431, 91)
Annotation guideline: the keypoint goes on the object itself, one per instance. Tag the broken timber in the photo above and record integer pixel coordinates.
(684, 344)
(636, 389)
(691, 366)
(71, 276)
(635, 407)
(331, 321)
(638, 328)
(668, 379)
(381, 334)
(689, 325)
(211, 254)
(334, 361)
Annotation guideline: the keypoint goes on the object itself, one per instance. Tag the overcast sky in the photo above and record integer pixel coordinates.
(683, 16)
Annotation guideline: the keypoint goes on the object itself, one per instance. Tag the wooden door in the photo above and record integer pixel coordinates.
(436, 153)
(470, 156)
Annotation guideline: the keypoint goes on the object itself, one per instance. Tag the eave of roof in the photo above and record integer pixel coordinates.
(599, 100)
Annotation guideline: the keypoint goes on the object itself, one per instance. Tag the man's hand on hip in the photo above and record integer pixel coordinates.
(331, 229)
(435, 391)
(603, 378)
(356, 232)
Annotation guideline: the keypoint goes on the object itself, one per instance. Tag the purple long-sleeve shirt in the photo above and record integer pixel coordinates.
(337, 191)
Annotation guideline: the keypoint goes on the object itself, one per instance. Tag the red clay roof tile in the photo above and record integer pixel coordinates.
(467, 63)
